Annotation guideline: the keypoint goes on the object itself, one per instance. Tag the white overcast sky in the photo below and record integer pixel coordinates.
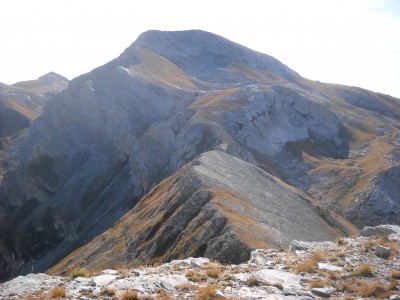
(353, 42)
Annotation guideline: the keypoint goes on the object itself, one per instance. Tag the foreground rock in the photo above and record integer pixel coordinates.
(270, 274)
(217, 206)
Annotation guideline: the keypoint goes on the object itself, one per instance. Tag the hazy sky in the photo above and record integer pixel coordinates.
(353, 42)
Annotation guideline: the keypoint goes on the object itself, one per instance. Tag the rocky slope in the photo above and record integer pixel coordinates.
(121, 129)
(348, 268)
(217, 206)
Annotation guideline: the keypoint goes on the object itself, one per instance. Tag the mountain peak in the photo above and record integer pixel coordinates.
(53, 77)
(206, 56)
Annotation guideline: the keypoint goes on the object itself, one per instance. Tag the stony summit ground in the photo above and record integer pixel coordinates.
(367, 266)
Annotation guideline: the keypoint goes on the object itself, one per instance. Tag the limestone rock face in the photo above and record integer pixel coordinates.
(119, 130)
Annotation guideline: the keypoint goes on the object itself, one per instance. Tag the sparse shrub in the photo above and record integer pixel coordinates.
(348, 286)
(194, 276)
(306, 266)
(341, 254)
(340, 241)
(213, 272)
(207, 292)
(186, 287)
(57, 292)
(332, 276)
(392, 285)
(274, 284)
(311, 264)
(371, 288)
(79, 273)
(253, 281)
(316, 284)
(395, 274)
(365, 270)
(164, 297)
(107, 292)
(130, 295)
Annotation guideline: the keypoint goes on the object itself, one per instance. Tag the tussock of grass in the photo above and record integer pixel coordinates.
(274, 284)
(316, 284)
(194, 276)
(130, 295)
(372, 289)
(186, 287)
(207, 292)
(79, 273)
(311, 264)
(395, 274)
(213, 272)
(365, 270)
(346, 286)
(58, 292)
(107, 292)
(164, 297)
(253, 281)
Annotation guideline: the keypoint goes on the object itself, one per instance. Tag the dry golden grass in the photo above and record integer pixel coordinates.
(130, 295)
(107, 292)
(214, 273)
(310, 265)
(274, 284)
(341, 241)
(58, 292)
(332, 276)
(372, 289)
(207, 292)
(80, 273)
(214, 270)
(365, 270)
(395, 274)
(317, 284)
(393, 285)
(346, 286)
(187, 287)
(164, 297)
(195, 276)
(253, 281)
(341, 254)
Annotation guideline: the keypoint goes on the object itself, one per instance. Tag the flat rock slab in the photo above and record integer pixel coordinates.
(329, 267)
(105, 279)
(30, 283)
(322, 292)
(286, 279)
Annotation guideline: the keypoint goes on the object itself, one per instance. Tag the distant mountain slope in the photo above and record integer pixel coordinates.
(121, 129)
(23, 102)
(217, 206)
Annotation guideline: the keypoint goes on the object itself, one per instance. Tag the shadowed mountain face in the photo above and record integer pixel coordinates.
(121, 129)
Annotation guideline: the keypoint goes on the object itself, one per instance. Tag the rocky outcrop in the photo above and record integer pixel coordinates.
(217, 206)
(118, 131)
(269, 274)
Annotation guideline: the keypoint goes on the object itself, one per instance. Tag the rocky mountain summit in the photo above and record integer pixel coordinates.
(367, 266)
(118, 131)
